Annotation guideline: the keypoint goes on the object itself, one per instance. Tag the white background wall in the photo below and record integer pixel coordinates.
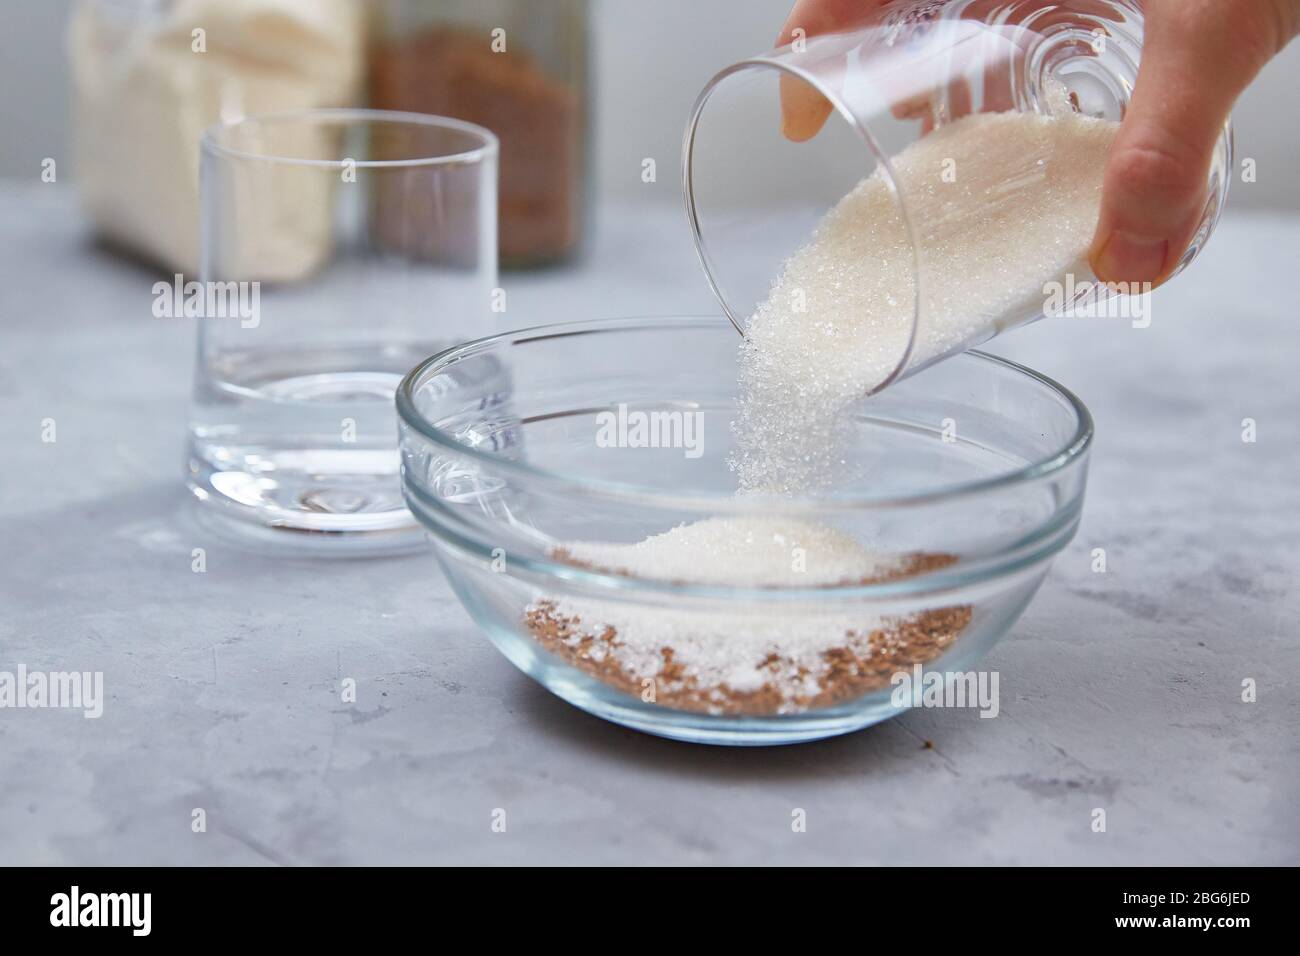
(650, 58)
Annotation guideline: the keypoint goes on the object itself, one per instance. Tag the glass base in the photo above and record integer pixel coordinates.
(308, 503)
(734, 732)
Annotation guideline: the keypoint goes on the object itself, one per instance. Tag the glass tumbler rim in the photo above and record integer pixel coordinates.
(210, 142)
(773, 60)
(1063, 455)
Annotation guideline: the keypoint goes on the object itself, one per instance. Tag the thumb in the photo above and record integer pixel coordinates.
(803, 109)
(1198, 57)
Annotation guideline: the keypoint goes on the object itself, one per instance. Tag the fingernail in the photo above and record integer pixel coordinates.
(1131, 258)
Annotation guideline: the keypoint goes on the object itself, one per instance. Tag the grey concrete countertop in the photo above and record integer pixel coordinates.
(1120, 691)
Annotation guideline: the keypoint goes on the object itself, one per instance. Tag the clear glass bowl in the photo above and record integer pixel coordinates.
(978, 459)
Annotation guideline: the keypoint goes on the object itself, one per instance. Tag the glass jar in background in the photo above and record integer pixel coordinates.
(518, 68)
(149, 76)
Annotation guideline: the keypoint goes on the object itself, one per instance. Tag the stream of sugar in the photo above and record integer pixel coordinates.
(1001, 203)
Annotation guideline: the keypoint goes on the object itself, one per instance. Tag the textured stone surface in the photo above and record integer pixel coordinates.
(1119, 690)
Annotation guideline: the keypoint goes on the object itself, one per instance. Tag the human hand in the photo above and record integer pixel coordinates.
(1197, 58)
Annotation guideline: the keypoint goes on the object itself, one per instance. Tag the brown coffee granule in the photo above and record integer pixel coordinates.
(864, 663)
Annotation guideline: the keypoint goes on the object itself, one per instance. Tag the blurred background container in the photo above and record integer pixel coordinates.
(647, 63)
(148, 76)
(517, 67)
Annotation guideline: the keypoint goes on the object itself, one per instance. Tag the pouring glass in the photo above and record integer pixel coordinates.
(753, 195)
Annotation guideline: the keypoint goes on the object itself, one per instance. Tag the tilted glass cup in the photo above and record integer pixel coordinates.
(755, 194)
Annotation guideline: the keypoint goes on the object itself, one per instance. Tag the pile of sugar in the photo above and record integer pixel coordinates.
(1001, 204)
(746, 552)
(732, 648)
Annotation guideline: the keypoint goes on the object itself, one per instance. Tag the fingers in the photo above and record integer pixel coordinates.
(803, 109)
(1197, 57)
(815, 17)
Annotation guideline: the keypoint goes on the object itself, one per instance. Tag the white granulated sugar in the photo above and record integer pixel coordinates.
(1001, 204)
(730, 647)
(741, 552)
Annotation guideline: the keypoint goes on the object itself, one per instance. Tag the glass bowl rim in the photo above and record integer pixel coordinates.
(1074, 449)
(489, 145)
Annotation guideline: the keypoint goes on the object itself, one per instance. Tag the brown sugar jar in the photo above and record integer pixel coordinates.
(517, 67)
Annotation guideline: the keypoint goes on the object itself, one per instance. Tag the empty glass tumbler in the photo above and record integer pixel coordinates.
(339, 248)
(970, 206)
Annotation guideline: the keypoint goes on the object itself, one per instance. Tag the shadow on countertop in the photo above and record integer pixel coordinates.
(883, 748)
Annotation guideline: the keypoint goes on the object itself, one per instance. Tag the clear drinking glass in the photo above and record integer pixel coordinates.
(339, 248)
(905, 71)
